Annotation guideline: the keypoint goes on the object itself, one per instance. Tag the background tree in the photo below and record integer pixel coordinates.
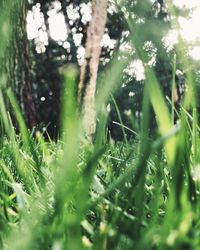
(89, 68)
(47, 57)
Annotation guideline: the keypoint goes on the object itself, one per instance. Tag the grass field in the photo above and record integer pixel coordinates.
(74, 194)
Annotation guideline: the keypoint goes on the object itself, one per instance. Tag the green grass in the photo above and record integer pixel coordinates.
(73, 194)
(107, 195)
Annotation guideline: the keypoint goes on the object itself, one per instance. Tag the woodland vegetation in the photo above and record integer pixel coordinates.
(99, 126)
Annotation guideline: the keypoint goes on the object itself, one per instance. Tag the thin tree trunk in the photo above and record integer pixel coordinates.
(89, 69)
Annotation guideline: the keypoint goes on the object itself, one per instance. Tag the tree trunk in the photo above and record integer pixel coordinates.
(89, 69)
(19, 66)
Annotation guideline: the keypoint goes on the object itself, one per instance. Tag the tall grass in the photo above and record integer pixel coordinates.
(74, 194)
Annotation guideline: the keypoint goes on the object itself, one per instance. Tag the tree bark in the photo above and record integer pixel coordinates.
(89, 68)
(19, 66)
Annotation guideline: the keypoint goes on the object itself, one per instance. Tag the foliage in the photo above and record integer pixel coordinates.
(47, 83)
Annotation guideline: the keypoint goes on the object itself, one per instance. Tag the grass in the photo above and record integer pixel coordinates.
(73, 194)
(132, 201)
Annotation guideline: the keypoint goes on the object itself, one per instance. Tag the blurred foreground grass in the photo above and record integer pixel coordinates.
(72, 194)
